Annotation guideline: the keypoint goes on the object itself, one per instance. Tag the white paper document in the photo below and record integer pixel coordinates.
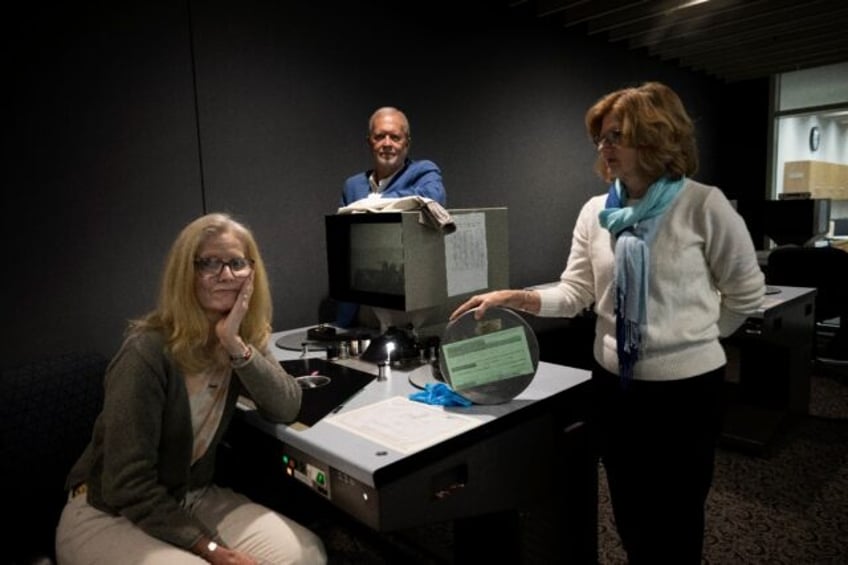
(466, 255)
(403, 425)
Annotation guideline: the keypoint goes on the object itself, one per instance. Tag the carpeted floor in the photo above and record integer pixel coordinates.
(790, 507)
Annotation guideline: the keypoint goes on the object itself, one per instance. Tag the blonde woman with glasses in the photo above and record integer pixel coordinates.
(143, 491)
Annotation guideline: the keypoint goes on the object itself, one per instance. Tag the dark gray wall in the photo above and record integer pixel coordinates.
(101, 166)
(129, 121)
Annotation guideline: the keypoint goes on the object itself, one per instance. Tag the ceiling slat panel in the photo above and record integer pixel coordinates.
(803, 30)
(698, 19)
(732, 40)
(583, 12)
(730, 28)
(645, 16)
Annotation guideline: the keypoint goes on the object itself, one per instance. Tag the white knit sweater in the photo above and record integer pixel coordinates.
(704, 281)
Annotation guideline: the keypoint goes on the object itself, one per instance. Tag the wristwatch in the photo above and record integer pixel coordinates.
(211, 547)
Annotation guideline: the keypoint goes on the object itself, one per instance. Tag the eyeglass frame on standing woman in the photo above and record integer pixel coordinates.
(612, 138)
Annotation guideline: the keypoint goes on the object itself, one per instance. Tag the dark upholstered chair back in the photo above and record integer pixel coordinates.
(825, 268)
(47, 410)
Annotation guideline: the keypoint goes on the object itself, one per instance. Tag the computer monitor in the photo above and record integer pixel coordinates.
(840, 227)
(796, 221)
(410, 272)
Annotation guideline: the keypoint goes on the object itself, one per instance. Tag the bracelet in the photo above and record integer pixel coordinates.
(525, 300)
(244, 357)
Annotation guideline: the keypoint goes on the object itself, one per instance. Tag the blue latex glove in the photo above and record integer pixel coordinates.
(439, 394)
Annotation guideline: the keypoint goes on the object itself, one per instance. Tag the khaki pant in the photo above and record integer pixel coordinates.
(87, 536)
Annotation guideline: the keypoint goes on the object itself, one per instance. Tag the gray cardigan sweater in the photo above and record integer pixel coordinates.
(138, 463)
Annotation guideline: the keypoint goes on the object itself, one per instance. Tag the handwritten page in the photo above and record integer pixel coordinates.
(466, 255)
(403, 425)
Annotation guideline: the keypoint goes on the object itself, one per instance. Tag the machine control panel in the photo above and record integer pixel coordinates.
(307, 470)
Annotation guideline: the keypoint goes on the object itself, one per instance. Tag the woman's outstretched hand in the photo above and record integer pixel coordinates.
(517, 299)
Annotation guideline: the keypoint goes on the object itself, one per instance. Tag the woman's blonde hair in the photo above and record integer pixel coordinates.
(179, 315)
(654, 121)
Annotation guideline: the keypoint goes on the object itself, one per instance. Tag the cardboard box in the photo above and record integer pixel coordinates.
(820, 178)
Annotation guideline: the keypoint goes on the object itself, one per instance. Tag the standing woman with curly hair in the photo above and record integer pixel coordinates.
(669, 268)
(143, 491)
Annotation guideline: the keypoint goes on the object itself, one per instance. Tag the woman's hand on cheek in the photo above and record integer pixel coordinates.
(227, 328)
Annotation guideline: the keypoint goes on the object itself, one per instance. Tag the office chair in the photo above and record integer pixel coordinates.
(826, 269)
(47, 410)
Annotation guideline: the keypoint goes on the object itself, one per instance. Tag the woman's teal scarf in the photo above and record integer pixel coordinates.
(634, 228)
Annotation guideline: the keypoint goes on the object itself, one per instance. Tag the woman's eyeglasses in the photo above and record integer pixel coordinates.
(612, 138)
(240, 267)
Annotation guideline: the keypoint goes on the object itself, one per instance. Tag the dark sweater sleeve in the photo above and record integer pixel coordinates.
(276, 393)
